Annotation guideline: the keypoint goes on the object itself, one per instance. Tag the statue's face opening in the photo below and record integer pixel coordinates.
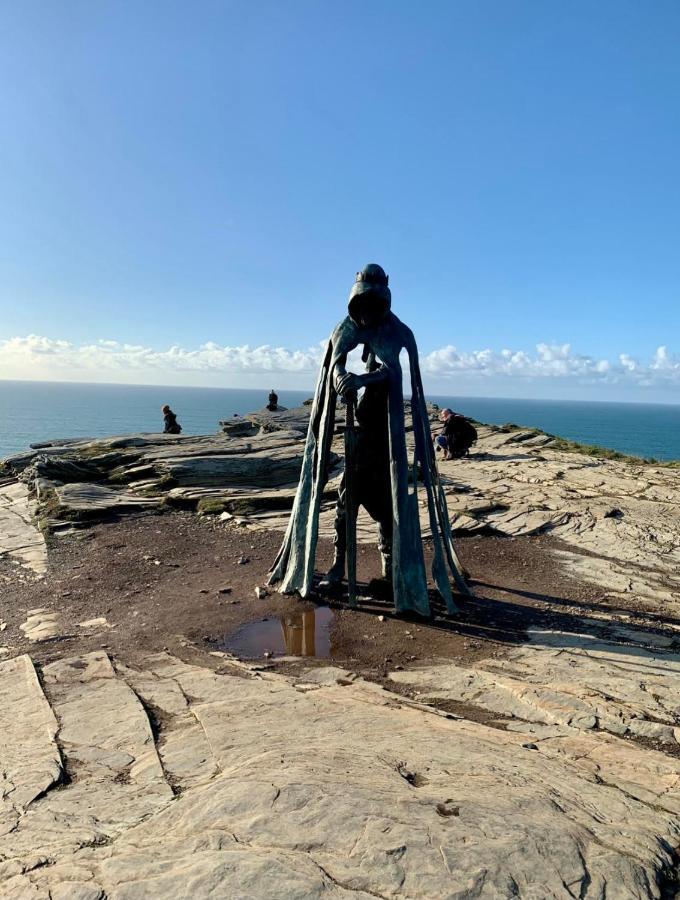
(368, 309)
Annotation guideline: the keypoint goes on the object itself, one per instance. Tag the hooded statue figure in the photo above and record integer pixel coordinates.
(384, 481)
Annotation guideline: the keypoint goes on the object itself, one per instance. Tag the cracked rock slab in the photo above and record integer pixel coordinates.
(78, 500)
(42, 625)
(97, 740)
(20, 540)
(29, 755)
(338, 792)
(578, 681)
(624, 515)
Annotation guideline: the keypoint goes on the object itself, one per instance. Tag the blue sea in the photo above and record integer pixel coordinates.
(40, 411)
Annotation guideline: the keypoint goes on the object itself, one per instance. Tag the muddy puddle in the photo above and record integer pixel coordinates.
(296, 634)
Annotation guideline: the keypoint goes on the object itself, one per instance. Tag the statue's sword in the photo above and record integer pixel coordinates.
(351, 499)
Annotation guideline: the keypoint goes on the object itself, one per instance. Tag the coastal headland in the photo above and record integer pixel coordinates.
(172, 727)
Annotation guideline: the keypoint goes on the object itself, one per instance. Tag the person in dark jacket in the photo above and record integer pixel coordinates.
(171, 425)
(273, 402)
(457, 436)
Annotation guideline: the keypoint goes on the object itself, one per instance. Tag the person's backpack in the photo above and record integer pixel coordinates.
(461, 434)
(468, 433)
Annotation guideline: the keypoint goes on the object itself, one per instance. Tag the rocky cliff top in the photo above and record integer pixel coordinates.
(617, 518)
(529, 748)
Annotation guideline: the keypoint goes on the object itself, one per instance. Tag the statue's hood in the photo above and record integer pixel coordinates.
(371, 286)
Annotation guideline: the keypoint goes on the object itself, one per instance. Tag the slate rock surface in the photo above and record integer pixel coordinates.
(267, 786)
(20, 540)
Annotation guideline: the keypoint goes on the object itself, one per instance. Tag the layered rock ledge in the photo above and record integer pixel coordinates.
(618, 520)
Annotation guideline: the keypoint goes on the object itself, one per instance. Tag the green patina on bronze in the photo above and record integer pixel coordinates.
(373, 325)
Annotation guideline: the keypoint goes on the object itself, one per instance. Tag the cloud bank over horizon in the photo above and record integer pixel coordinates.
(38, 357)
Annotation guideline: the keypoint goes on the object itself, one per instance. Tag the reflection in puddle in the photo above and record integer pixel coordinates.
(296, 634)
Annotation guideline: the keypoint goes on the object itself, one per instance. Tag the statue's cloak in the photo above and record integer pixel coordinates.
(293, 569)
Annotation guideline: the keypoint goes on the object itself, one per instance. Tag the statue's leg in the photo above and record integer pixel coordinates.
(377, 499)
(336, 572)
(385, 546)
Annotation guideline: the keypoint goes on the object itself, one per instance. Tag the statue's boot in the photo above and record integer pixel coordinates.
(335, 574)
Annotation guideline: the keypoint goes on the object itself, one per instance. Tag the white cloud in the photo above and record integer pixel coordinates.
(665, 361)
(39, 357)
(628, 363)
(21, 357)
(549, 361)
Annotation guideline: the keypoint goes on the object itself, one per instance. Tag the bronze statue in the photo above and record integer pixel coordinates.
(377, 471)
(366, 480)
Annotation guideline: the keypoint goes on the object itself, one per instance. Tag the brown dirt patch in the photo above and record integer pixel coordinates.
(160, 580)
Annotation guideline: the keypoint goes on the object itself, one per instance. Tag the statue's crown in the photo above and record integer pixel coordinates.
(373, 274)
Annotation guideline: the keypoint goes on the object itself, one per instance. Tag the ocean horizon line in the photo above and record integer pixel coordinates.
(37, 411)
(437, 393)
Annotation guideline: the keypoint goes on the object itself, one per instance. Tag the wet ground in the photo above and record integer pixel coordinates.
(187, 584)
(306, 633)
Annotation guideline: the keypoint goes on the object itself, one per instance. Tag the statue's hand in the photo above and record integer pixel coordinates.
(375, 376)
(348, 383)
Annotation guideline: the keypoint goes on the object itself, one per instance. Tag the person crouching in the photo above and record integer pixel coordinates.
(171, 425)
(457, 435)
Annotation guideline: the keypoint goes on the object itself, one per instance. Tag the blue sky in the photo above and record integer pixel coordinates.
(178, 175)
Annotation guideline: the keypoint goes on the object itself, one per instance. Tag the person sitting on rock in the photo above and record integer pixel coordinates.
(273, 403)
(171, 425)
